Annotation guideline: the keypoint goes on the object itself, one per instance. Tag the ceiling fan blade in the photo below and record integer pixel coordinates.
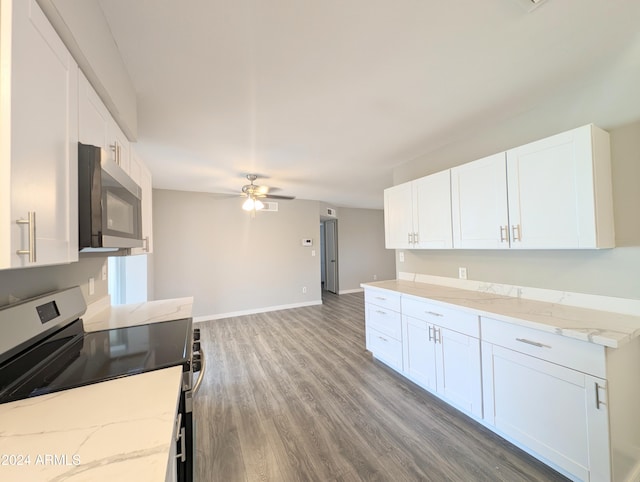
(275, 196)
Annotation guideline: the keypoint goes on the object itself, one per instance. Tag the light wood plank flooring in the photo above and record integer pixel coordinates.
(293, 396)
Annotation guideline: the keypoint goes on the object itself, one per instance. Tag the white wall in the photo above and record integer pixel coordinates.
(361, 251)
(208, 247)
(610, 272)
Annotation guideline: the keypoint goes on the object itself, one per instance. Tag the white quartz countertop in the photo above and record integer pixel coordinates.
(119, 316)
(594, 326)
(118, 430)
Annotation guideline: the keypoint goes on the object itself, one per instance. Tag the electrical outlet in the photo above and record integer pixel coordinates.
(304, 289)
(313, 252)
(375, 277)
(92, 286)
(462, 273)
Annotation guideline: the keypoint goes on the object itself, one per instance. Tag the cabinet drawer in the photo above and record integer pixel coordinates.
(385, 321)
(384, 299)
(385, 348)
(568, 352)
(452, 319)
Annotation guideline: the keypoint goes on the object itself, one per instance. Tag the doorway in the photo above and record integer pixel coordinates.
(330, 255)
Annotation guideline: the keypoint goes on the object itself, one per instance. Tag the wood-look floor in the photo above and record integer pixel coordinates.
(293, 396)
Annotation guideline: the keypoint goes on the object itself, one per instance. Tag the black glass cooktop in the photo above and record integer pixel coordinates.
(72, 358)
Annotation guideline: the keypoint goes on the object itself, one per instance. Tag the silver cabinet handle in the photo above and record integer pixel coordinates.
(146, 244)
(534, 343)
(504, 234)
(381, 298)
(431, 333)
(31, 222)
(409, 238)
(437, 335)
(516, 228)
(415, 238)
(178, 425)
(383, 338)
(115, 147)
(433, 313)
(183, 453)
(380, 312)
(598, 401)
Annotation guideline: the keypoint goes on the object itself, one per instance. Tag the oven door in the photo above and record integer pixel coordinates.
(186, 449)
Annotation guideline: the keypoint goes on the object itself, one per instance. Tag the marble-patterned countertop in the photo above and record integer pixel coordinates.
(120, 430)
(119, 316)
(115, 430)
(594, 326)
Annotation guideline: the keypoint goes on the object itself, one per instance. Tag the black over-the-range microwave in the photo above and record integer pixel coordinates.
(109, 203)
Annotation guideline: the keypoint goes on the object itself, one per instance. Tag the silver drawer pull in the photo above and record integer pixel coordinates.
(383, 338)
(534, 343)
(598, 401)
(381, 298)
(433, 313)
(380, 312)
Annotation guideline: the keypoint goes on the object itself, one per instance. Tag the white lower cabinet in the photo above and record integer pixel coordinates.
(557, 412)
(570, 403)
(443, 360)
(384, 327)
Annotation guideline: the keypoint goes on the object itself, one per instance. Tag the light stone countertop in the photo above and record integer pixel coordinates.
(593, 326)
(119, 316)
(120, 430)
(115, 430)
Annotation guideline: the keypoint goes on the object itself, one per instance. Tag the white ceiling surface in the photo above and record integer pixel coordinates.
(325, 97)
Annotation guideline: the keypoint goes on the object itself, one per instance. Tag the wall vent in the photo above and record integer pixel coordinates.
(270, 206)
(331, 212)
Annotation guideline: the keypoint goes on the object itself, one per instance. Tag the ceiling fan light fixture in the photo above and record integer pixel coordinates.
(252, 204)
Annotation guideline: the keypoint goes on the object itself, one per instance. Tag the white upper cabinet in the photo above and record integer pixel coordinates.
(432, 211)
(141, 175)
(560, 191)
(479, 204)
(38, 141)
(398, 216)
(98, 128)
(418, 213)
(554, 193)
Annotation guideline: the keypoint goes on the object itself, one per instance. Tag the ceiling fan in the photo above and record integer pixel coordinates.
(254, 193)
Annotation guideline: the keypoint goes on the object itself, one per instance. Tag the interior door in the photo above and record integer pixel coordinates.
(331, 254)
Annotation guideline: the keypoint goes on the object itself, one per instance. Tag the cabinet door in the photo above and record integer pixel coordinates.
(551, 184)
(119, 147)
(558, 413)
(140, 173)
(39, 133)
(420, 353)
(479, 204)
(432, 211)
(458, 367)
(398, 216)
(94, 117)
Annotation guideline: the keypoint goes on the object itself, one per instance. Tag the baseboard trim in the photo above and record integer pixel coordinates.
(265, 309)
(346, 292)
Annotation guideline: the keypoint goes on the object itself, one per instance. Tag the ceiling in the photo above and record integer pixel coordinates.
(324, 98)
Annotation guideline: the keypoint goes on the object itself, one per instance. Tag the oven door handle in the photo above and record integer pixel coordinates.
(203, 366)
